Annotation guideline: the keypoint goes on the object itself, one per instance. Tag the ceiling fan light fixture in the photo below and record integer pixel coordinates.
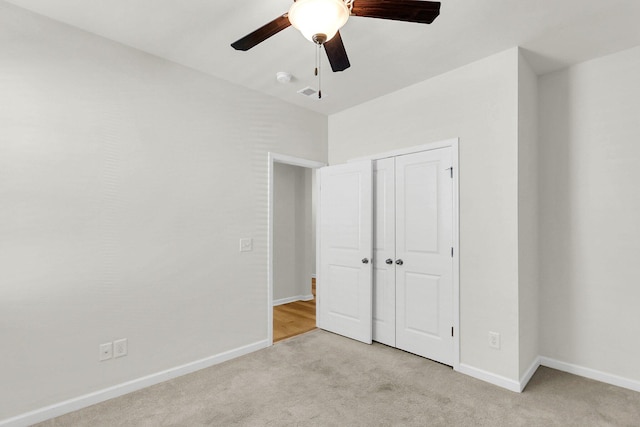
(314, 17)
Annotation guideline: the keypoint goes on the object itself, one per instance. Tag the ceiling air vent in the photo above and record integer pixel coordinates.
(308, 91)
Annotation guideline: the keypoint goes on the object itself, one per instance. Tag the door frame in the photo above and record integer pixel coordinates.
(274, 158)
(452, 143)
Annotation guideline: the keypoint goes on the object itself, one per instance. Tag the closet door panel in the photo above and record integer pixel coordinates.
(422, 318)
(346, 247)
(419, 205)
(384, 244)
(424, 275)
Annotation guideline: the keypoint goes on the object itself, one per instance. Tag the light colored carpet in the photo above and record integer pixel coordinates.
(321, 379)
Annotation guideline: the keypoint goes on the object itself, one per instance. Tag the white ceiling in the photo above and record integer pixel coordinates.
(385, 55)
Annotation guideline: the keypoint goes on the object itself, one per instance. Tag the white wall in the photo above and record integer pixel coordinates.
(590, 204)
(528, 211)
(479, 104)
(126, 182)
(292, 233)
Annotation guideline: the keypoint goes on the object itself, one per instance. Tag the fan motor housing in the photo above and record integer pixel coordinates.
(319, 38)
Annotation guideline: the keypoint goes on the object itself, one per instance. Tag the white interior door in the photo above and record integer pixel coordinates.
(384, 252)
(345, 232)
(424, 265)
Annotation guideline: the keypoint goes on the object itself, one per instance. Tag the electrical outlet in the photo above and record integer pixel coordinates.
(246, 245)
(120, 348)
(106, 351)
(494, 340)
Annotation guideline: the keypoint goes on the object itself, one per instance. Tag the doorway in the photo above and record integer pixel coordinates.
(291, 250)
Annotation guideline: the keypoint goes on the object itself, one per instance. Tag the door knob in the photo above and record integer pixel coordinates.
(399, 262)
(365, 260)
(389, 261)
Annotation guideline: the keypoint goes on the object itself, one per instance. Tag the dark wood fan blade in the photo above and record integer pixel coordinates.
(337, 54)
(262, 33)
(423, 12)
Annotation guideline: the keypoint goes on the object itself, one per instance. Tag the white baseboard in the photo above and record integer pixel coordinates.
(550, 363)
(524, 380)
(292, 299)
(499, 380)
(490, 377)
(80, 402)
(590, 373)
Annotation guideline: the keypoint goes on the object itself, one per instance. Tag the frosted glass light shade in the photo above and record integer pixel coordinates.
(318, 17)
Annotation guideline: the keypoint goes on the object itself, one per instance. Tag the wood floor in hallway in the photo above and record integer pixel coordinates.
(294, 318)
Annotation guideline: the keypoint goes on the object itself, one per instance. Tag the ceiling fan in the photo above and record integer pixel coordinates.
(320, 21)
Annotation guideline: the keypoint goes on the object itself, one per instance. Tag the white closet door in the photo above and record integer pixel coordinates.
(424, 270)
(346, 248)
(384, 252)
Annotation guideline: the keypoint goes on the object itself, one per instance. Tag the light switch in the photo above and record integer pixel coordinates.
(246, 245)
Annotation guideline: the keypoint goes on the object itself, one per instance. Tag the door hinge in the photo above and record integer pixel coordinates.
(452, 252)
(450, 171)
(452, 331)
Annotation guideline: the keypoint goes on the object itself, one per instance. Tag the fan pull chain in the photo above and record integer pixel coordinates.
(319, 71)
(315, 73)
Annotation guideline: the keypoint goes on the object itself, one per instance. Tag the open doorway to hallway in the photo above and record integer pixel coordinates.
(293, 246)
